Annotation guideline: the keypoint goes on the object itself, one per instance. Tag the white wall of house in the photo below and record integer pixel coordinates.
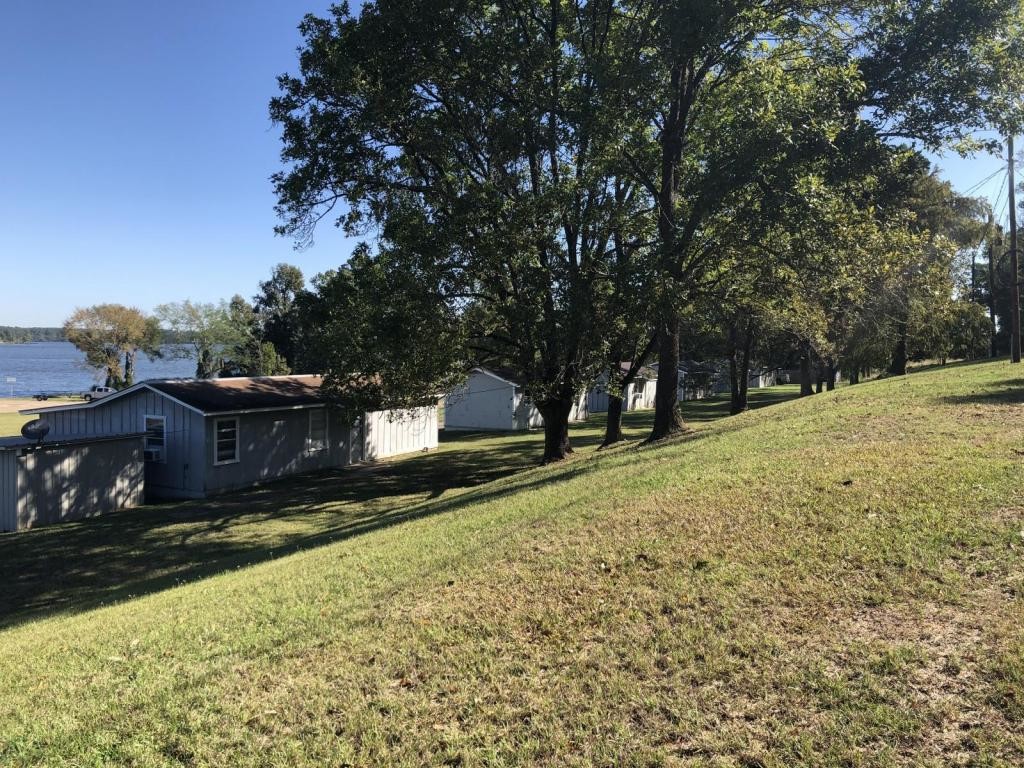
(392, 433)
(638, 395)
(488, 402)
(484, 401)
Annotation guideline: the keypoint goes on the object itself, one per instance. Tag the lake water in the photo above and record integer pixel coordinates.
(56, 366)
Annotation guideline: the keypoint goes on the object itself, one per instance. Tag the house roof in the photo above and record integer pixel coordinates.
(221, 396)
(645, 372)
(506, 375)
(243, 393)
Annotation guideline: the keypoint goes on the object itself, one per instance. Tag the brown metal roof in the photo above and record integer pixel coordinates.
(243, 394)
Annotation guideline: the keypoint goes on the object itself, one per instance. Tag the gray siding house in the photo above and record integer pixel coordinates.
(204, 437)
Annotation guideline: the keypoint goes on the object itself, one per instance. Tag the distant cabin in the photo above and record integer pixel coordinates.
(207, 436)
(762, 377)
(495, 400)
(637, 395)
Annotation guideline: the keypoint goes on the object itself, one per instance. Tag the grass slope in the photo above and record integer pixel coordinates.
(833, 581)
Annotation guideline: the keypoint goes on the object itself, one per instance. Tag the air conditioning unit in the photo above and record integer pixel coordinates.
(152, 454)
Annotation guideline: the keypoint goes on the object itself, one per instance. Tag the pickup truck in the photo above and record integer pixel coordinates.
(95, 393)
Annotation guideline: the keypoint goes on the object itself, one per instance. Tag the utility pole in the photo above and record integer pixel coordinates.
(992, 281)
(1014, 267)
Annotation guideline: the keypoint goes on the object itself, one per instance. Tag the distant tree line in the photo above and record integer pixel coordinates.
(12, 334)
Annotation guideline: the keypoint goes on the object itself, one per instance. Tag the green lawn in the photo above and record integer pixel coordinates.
(828, 582)
(156, 547)
(10, 423)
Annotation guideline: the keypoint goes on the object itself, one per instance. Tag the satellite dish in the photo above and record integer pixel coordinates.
(35, 430)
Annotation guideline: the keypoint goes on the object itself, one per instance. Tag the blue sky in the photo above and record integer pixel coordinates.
(135, 151)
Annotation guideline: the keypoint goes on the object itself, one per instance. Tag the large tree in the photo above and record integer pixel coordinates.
(733, 92)
(482, 140)
(111, 337)
(249, 353)
(276, 307)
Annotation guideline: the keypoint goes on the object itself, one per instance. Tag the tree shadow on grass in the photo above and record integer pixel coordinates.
(77, 566)
(714, 408)
(74, 567)
(1008, 392)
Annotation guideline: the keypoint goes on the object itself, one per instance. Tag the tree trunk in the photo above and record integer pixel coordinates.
(748, 346)
(898, 366)
(830, 374)
(993, 350)
(613, 426)
(667, 421)
(556, 429)
(739, 368)
(129, 369)
(805, 372)
(735, 398)
(855, 375)
(205, 367)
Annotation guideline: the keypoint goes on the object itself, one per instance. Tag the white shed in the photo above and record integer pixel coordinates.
(493, 400)
(762, 377)
(638, 394)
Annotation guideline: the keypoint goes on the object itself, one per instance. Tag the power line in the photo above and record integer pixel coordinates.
(986, 180)
(999, 196)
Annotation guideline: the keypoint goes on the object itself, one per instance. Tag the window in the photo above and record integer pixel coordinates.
(226, 437)
(317, 440)
(155, 429)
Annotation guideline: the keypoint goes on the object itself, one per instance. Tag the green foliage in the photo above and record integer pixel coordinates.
(351, 323)
(479, 140)
(277, 311)
(572, 177)
(249, 354)
(938, 72)
(203, 332)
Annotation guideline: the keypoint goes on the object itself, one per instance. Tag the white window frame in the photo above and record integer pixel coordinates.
(310, 446)
(216, 441)
(163, 435)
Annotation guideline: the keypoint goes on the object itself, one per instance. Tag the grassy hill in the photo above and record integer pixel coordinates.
(831, 582)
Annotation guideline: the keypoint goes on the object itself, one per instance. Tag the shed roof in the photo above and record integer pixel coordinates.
(505, 375)
(644, 372)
